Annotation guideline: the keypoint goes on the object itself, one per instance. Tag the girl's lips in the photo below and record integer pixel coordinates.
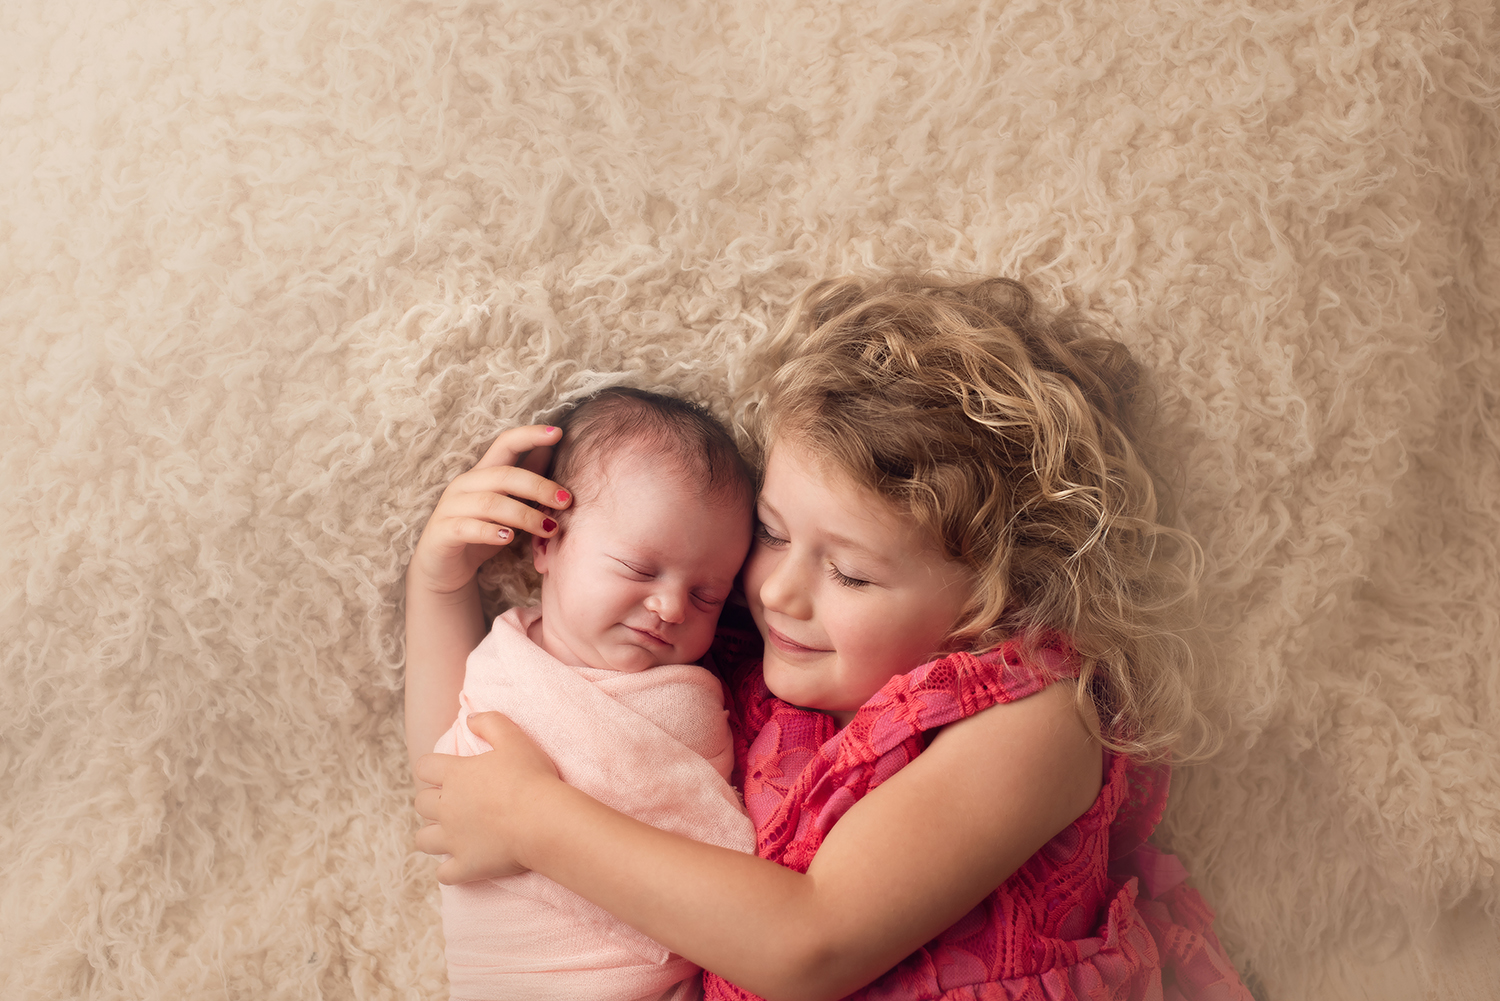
(786, 644)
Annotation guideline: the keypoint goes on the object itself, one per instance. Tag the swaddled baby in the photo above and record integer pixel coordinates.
(600, 675)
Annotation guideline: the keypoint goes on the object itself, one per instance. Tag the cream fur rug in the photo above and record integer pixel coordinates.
(271, 273)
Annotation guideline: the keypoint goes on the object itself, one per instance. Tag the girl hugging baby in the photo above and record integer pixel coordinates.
(952, 735)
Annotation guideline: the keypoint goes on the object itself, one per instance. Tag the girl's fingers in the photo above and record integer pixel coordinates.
(431, 769)
(452, 871)
(428, 802)
(499, 511)
(430, 840)
(537, 459)
(513, 481)
(474, 532)
(513, 445)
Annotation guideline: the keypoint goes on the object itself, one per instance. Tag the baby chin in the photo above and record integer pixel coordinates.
(635, 652)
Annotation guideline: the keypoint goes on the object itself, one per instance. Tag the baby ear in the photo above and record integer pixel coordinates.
(541, 548)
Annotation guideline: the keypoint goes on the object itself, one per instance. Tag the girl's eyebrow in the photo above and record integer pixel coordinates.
(859, 548)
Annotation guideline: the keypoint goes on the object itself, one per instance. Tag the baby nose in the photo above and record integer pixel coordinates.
(669, 605)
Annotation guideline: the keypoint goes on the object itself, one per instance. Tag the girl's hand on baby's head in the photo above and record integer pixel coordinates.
(481, 511)
(479, 808)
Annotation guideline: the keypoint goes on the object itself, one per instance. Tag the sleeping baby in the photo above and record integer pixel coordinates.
(600, 674)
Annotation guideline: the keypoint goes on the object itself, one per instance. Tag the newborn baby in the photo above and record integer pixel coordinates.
(600, 675)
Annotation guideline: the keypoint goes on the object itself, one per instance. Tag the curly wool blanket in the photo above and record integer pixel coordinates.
(273, 271)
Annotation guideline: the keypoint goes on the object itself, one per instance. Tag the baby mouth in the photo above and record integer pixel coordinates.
(654, 637)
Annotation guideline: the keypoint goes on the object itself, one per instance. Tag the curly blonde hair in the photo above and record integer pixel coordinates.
(1011, 434)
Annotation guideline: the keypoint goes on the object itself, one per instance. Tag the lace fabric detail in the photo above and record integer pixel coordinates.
(1067, 924)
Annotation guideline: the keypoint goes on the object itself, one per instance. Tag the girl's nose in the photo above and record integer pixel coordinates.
(669, 604)
(782, 590)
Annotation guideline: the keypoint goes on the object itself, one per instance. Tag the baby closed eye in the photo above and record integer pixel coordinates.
(707, 602)
(634, 571)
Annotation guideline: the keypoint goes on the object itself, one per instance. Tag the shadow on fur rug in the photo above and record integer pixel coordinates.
(272, 273)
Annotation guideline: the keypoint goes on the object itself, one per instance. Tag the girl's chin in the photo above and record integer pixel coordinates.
(789, 684)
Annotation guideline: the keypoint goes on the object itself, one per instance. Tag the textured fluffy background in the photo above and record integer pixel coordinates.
(272, 272)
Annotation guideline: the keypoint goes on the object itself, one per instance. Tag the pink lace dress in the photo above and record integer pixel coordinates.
(1096, 914)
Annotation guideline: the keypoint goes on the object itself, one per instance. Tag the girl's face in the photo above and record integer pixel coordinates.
(846, 590)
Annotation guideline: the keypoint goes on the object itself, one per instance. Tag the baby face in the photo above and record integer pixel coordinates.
(641, 570)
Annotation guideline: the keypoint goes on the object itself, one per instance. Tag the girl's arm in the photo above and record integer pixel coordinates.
(903, 864)
(444, 620)
(441, 630)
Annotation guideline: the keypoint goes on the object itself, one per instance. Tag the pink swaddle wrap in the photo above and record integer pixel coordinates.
(654, 745)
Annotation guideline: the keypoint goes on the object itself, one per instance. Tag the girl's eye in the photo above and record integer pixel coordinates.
(845, 579)
(764, 537)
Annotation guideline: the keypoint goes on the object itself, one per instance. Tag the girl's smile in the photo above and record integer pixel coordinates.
(845, 590)
(788, 645)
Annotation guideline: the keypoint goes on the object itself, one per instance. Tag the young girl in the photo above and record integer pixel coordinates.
(966, 597)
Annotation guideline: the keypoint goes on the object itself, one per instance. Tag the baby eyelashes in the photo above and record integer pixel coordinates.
(706, 599)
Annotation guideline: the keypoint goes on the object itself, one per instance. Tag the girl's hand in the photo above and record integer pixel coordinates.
(482, 509)
(478, 514)
(481, 810)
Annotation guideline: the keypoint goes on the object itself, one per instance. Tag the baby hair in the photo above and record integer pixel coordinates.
(1010, 434)
(682, 436)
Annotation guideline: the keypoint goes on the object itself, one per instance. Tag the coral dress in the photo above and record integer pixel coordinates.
(1095, 914)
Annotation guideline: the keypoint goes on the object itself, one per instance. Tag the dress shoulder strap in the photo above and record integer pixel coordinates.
(793, 806)
(955, 687)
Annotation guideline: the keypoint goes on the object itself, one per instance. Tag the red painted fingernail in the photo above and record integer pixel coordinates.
(550, 429)
(563, 496)
(504, 534)
(548, 524)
